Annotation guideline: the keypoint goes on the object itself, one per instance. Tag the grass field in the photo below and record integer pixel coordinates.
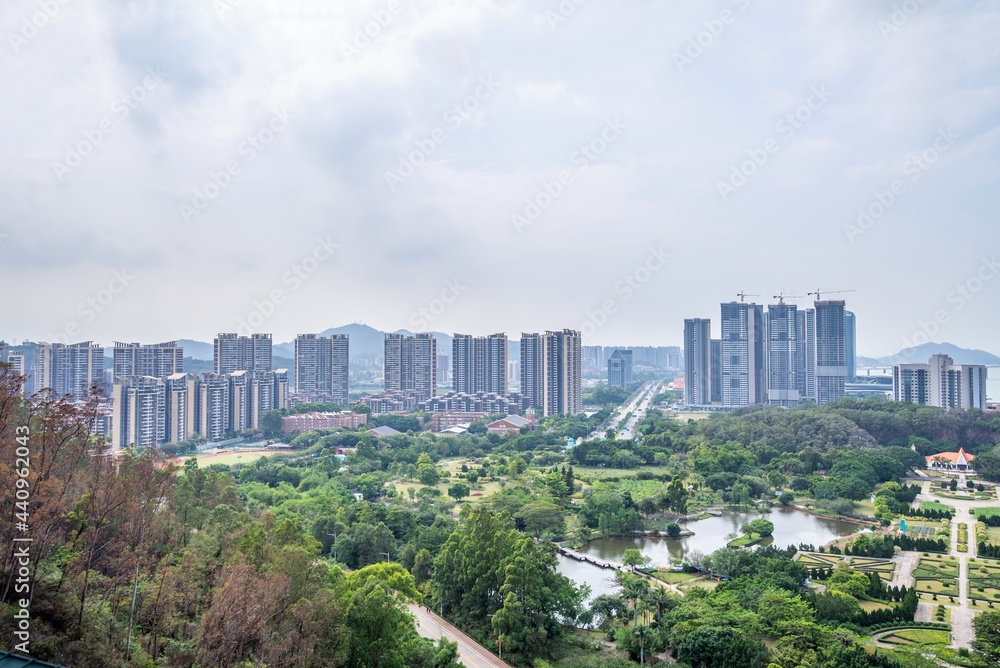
(700, 583)
(984, 580)
(868, 606)
(884, 567)
(918, 637)
(673, 577)
(817, 560)
(980, 513)
(934, 505)
(231, 458)
(937, 575)
(865, 507)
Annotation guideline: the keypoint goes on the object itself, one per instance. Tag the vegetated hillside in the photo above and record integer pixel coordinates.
(787, 430)
(922, 353)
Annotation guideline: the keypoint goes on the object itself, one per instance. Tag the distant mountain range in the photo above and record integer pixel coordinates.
(923, 352)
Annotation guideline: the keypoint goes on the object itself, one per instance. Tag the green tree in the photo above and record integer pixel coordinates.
(486, 567)
(987, 642)
(270, 423)
(458, 491)
(631, 558)
(762, 527)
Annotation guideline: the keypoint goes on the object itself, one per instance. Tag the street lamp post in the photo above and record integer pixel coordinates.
(386, 556)
(334, 545)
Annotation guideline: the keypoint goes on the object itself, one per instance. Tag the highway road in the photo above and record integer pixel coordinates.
(625, 413)
(470, 653)
(637, 410)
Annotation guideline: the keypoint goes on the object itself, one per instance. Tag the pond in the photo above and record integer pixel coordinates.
(600, 580)
(791, 527)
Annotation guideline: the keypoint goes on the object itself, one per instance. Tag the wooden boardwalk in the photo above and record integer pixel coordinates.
(602, 563)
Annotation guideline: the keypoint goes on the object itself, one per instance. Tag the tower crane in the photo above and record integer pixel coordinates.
(782, 296)
(829, 292)
(741, 295)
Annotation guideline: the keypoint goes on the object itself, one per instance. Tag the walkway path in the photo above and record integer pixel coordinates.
(470, 653)
(962, 614)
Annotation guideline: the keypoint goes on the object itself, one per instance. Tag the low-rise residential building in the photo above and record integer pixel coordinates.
(304, 422)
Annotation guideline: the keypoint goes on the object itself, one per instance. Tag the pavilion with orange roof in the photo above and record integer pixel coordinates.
(951, 461)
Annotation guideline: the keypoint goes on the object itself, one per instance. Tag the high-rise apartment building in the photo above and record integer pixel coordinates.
(411, 364)
(479, 364)
(697, 361)
(533, 369)
(242, 353)
(322, 366)
(831, 351)
(157, 361)
(851, 345)
(215, 406)
(716, 370)
(138, 412)
(16, 366)
(563, 380)
(783, 351)
(182, 406)
(744, 380)
(940, 382)
(69, 369)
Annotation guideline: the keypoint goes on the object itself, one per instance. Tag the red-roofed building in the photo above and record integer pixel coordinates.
(509, 423)
(951, 461)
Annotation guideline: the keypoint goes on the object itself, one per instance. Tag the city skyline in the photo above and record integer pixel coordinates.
(779, 159)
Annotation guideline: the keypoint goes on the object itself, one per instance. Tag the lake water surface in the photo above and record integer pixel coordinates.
(791, 527)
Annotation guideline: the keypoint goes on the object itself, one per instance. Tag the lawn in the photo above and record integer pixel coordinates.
(883, 567)
(865, 507)
(817, 560)
(937, 575)
(701, 583)
(934, 505)
(918, 637)
(868, 606)
(984, 580)
(231, 458)
(672, 577)
(980, 513)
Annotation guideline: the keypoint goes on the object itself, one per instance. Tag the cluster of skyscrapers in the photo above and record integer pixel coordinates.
(781, 357)
(154, 402)
(550, 368)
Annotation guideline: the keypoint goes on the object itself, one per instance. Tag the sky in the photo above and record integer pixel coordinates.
(176, 169)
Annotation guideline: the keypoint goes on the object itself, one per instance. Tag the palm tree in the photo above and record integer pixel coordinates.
(644, 634)
(660, 599)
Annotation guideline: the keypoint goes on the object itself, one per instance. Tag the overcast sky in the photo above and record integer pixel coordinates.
(175, 162)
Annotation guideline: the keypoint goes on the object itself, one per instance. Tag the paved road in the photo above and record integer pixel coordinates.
(626, 410)
(470, 653)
